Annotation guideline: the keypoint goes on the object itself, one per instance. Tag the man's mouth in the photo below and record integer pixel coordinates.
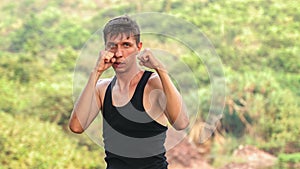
(117, 64)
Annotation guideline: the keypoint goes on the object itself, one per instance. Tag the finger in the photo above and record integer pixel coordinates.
(103, 55)
(113, 60)
(139, 57)
(141, 53)
(143, 57)
(146, 57)
(108, 56)
(141, 63)
(100, 57)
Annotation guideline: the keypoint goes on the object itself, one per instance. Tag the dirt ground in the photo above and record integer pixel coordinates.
(251, 158)
(186, 156)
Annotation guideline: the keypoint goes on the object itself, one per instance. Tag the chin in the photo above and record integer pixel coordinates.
(118, 70)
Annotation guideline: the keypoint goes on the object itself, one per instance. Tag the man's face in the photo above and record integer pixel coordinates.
(125, 50)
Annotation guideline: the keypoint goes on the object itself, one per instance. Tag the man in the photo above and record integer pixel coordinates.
(136, 104)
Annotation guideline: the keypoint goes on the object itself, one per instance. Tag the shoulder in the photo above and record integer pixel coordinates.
(154, 81)
(102, 84)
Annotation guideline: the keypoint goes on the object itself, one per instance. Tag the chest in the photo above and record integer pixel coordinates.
(122, 97)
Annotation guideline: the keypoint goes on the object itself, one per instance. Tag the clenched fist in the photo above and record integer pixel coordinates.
(148, 60)
(105, 60)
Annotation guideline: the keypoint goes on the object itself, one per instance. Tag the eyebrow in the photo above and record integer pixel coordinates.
(110, 43)
(122, 42)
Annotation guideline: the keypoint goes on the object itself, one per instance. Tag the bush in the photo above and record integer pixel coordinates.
(294, 158)
(260, 107)
(29, 143)
(289, 160)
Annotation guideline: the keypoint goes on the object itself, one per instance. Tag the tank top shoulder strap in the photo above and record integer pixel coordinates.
(142, 83)
(137, 99)
(109, 87)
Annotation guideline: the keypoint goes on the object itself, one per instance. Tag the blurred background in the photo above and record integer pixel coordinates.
(257, 41)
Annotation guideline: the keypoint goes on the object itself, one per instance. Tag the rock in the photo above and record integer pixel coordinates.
(185, 156)
(251, 158)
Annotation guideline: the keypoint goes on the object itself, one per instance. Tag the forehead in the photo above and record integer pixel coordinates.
(120, 38)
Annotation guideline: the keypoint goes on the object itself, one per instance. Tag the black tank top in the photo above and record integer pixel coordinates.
(132, 139)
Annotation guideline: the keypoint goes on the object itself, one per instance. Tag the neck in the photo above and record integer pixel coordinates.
(125, 79)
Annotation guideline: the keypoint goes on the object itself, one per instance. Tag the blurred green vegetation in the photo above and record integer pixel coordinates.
(257, 41)
(27, 142)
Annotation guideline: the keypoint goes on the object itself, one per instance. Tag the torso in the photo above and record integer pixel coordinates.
(132, 138)
(152, 93)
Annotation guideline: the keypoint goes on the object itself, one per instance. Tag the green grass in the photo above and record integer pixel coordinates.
(31, 143)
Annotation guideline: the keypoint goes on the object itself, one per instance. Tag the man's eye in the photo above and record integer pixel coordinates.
(111, 46)
(126, 44)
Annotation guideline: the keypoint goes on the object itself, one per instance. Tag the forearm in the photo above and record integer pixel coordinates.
(87, 106)
(175, 108)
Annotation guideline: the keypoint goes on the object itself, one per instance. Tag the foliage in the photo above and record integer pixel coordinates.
(294, 158)
(38, 63)
(257, 42)
(253, 101)
(288, 160)
(29, 143)
(249, 34)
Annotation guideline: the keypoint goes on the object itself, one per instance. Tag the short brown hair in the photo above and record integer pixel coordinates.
(121, 25)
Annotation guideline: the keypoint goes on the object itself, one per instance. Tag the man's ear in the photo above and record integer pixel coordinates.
(140, 45)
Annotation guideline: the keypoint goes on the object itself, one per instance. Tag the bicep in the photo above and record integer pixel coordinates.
(158, 94)
(161, 100)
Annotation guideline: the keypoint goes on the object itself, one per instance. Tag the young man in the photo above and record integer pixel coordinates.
(136, 104)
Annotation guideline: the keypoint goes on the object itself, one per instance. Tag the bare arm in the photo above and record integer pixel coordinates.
(86, 108)
(174, 107)
(88, 104)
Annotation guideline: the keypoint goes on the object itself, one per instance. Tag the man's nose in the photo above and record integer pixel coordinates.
(119, 52)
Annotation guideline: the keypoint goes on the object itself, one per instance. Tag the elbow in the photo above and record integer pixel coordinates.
(181, 122)
(181, 126)
(75, 125)
(76, 128)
